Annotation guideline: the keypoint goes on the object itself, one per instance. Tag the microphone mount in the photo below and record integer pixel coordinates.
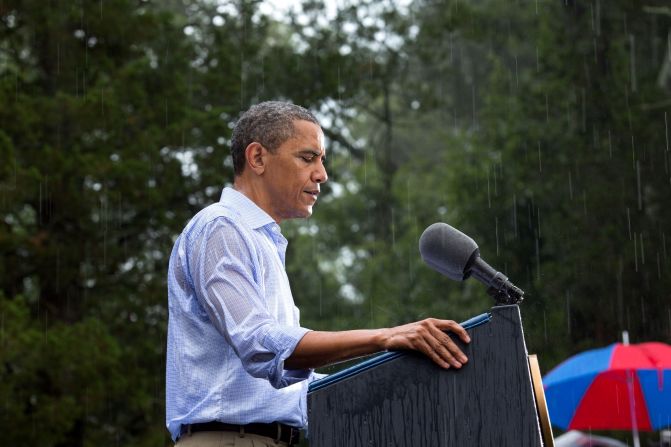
(503, 291)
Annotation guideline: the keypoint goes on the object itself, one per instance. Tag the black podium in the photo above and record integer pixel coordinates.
(404, 399)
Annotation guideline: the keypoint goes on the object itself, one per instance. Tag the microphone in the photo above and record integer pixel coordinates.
(455, 255)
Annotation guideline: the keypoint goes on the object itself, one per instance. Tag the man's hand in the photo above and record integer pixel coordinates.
(428, 336)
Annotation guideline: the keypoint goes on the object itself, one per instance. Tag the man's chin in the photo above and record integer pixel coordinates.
(299, 214)
(307, 212)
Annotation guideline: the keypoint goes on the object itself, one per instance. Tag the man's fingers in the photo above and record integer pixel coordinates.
(455, 328)
(447, 348)
(432, 353)
(446, 352)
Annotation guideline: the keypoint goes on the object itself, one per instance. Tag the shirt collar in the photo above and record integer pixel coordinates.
(250, 213)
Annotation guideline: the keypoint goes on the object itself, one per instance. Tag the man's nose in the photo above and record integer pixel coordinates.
(320, 175)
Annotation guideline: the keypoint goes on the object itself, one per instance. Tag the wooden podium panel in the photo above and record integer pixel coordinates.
(409, 401)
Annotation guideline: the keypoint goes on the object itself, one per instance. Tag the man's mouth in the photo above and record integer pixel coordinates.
(313, 193)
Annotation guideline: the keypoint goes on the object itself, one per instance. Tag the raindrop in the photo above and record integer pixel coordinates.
(473, 103)
(666, 128)
(610, 145)
(632, 61)
(620, 294)
(538, 259)
(635, 253)
(638, 184)
(568, 312)
(393, 229)
(540, 165)
(570, 186)
(515, 214)
(517, 78)
(584, 110)
(46, 325)
(496, 231)
(489, 197)
(594, 45)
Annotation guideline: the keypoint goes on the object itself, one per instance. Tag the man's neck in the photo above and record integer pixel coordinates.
(253, 193)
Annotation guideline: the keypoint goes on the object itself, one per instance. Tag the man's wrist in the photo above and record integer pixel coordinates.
(381, 338)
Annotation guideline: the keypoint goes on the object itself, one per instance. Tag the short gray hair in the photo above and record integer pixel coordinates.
(269, 123)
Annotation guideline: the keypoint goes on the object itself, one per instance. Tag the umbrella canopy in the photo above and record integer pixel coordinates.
(619, 387)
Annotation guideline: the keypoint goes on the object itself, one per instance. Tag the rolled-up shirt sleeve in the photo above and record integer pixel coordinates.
(228, 285)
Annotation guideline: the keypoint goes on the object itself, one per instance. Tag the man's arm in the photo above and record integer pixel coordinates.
(427, 336)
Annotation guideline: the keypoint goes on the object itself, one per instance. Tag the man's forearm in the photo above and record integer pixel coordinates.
(428, 336)
(323, 348)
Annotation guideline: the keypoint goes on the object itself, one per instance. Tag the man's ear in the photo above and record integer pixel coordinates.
(255, 157)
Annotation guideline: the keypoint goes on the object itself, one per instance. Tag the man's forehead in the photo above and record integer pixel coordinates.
(307, 126)
(311, 130)
(322, 143)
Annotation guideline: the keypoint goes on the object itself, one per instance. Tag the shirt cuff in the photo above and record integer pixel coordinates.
(283, 341)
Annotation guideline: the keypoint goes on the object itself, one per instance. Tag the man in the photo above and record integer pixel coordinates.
(238, 363)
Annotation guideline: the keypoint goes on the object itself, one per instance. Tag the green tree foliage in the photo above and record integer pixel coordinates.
(539, 128)
(570, 167)
(104, 143)
(60, 403)
(91, 98)
(385, 190)
(114, 130)
(554, 157)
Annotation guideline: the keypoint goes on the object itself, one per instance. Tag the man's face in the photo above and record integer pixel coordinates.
(294, 173)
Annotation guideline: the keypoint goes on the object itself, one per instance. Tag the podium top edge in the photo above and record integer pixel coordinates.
(383, 358)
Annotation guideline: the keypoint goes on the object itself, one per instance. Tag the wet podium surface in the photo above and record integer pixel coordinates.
(404, 399)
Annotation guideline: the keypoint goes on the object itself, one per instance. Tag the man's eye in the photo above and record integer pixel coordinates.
(308, 158)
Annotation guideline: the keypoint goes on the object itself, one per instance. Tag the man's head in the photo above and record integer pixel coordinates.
(278, 152)
(269, 123)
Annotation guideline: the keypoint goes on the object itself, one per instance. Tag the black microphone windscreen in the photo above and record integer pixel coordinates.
(446, 250)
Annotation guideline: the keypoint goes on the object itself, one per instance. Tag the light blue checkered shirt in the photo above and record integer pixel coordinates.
(232, 321)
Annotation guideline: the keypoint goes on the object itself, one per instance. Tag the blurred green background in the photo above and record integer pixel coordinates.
(538, 127)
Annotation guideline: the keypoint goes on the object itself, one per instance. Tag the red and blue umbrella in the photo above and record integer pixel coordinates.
(619, 387)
